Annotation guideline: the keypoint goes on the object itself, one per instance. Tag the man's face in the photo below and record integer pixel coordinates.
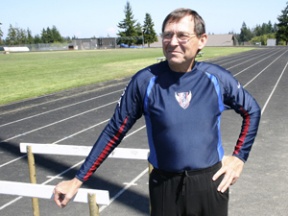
(180, 44)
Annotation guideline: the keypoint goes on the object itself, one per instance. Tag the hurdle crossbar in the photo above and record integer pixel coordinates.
(72, 150)
(46, 192)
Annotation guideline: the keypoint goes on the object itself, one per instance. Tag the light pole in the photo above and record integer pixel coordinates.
(143, 39)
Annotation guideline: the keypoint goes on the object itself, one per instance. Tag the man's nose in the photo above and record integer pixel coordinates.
(174, 40)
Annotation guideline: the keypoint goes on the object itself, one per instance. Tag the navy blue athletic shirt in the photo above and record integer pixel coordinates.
(182, 113)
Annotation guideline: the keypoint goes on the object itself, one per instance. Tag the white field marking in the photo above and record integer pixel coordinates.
(272, 92)
(81, 131)
(18, 158)
(12, 161)
(57, 122)
(59, 108)
(258, 63)
(49, 177)
(28, 132)
(65, 171)
(126, 183)
(46, 192)
(236, 58)
(124, 189)
(262, 70)
(70, 96)
(250, 59)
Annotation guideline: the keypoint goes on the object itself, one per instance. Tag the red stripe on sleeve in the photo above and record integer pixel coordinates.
(244, 131)
(106, 150)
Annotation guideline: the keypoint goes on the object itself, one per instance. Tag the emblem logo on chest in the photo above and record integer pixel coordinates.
(183, 98)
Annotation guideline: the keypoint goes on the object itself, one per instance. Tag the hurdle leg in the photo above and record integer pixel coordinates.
(32, 173)
(93, 207)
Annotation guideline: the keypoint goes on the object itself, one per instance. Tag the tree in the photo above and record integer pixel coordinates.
(56, 35)
(44, 36)
(129, 33)
(30, 39)
(37, 39)
(282, 32)
(1, 34)
(245, 34)
(11, 36)
(51, 35)
(139, 37)
(149, 33)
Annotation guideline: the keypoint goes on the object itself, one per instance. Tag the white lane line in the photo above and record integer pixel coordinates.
(40, 128)
(81, 131)
(133, 182)
(252, 59)
(59, 108)
(65, 97)
(67, 137)
(263, 70)
(272, 92)
(258, 63)
(57, 122)
(12, 161)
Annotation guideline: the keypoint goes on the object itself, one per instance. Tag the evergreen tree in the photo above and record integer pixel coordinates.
(56, 35)
(1, 34)
(282, 32)
(139, 37)
(128, 25)
(11, 38)
(37, 39)
(44, 36)
(149, 33)
(30, 39)
(245, 34)
(21, 36)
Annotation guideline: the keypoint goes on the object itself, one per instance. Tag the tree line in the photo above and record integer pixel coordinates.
(131, 32)
(19, 36)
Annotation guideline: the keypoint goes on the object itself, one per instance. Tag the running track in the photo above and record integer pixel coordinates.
(77, 117)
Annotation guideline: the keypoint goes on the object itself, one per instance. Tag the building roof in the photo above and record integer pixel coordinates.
(220, 40)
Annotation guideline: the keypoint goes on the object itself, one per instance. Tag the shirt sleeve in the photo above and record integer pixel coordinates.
(127, 111)
(239, 99)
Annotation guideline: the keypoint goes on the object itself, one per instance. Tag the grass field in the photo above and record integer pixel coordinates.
(28, 75)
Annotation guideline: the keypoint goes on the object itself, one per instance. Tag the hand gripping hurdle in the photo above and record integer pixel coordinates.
(46, 192)
(71, 150)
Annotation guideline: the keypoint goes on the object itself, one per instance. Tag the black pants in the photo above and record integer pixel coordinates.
(192, 193)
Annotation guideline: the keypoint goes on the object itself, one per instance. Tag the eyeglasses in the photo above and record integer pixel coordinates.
(182, 37)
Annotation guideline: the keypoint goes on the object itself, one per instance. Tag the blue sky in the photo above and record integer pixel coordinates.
(88, 18)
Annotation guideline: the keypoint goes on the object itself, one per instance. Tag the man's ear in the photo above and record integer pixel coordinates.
(202, 41)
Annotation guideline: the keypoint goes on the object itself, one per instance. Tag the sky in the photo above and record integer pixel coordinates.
(99, 18)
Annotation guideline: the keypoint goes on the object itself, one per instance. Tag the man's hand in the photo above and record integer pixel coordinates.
(65, 191)
(232, 168)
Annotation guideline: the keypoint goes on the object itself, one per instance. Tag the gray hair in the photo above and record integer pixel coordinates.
(179, 13)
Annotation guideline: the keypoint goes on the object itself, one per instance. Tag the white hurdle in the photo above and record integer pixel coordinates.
(68, 150)
(71, 150)
(46, 192)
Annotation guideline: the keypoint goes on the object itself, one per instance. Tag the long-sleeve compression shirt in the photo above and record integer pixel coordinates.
(182, 113)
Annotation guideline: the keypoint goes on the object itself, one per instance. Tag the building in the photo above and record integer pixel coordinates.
(222, 40)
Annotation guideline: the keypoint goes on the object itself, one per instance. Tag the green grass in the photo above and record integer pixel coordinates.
(27, 75)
